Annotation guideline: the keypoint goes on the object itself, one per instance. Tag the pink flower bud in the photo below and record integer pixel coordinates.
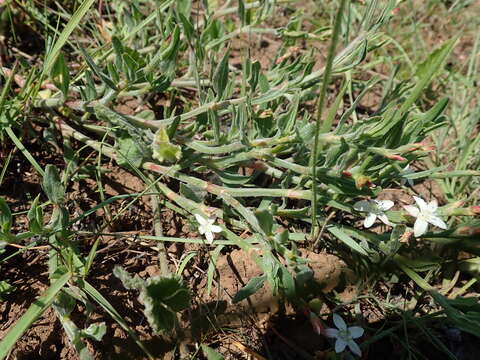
(475, 209)
(316, 323)
(396, 157)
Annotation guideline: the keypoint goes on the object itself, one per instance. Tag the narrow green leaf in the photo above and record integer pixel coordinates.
(212, 267)
(184, 261)
(62, 39)
(5, 216)
(52, 185)
(242, 12)
(170, 52)
(253, 285)
(288, 283)
(6, 86)
(35, 310)
(90, 290)
(24, 151)
(400, 260)
(188, 28)
(425, 74)
(265, 219)
(97, 71)
(327, 124)
(220, 77)
(35, 217)
(347, 240)
(60, 74)
(320, 103)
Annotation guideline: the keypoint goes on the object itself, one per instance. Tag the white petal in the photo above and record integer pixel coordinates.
(355, 331)
(421, 204)
(340, 345)
(403, 181)
(433, 205)
(435, 220)
(383, 218)
(330, 332)
(339, 323)
(407, 170)
(211, 220)
(369, 220)
(410, 182)
(412, 210)
(215, 228)
(354, 347)
(209, 236)
(420, 227)
(385, 205)
(202, 229)
(201, 220)
(363, 205)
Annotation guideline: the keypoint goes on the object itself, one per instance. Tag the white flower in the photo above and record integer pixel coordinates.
(406, 171)
(425, 213)
(374, 208)
(345, 335)
(206, 227)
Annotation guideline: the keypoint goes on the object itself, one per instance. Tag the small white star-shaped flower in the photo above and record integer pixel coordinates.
(425, 214)
(404, 180)
(207, 227)
(374, 208)
(344, 335)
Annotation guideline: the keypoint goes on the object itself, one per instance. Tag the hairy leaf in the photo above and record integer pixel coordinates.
(163, 149)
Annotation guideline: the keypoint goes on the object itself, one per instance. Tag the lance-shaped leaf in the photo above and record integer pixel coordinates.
(265, 219)
(35, 217)
(5, 216)
(251, 288)
(52, 185)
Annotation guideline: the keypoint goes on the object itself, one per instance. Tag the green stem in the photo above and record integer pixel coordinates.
(321, 100)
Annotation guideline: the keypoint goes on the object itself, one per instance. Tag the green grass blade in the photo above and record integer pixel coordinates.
(327, 124)
(347, 240)
(24, 151)
(6, 87)
(321, 100)
(212, 267)
(426, 71)
(39, 306)
(105, 304)
(62, 39)
(400, 261)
